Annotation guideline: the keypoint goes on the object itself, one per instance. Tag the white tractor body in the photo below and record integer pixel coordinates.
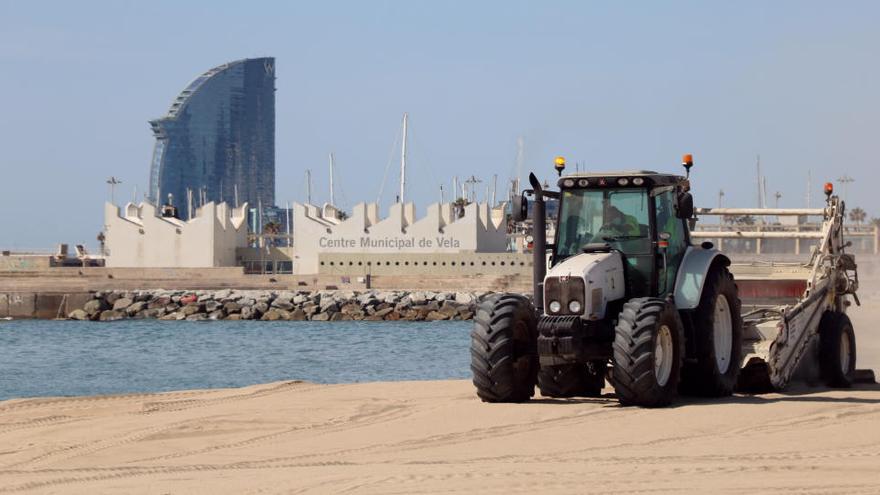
(602, 280)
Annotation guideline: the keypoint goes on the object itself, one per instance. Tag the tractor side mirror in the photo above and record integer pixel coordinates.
(519, 208)
(685, 206)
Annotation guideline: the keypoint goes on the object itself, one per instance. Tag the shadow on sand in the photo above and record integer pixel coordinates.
(797, 393)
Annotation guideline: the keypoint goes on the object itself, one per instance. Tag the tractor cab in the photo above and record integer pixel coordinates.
(639, 214)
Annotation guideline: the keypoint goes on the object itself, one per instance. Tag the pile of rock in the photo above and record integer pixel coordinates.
(329, 305)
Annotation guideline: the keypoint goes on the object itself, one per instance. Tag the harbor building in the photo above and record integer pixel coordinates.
(217, 141)
(139, 236)
(445, 241)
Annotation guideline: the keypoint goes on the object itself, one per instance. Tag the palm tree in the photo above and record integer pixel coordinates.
(458, 205)
(271, 228)
(745, 220)
(857, 215)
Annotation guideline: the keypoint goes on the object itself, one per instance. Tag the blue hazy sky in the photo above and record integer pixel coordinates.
(611, 84)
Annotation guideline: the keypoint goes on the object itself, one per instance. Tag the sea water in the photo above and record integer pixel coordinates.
(65, 358)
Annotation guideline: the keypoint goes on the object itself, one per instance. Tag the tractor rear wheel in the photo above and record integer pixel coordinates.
(504, 350)
(572, 380)
(648, 350)
(837, 350)
(718, 333)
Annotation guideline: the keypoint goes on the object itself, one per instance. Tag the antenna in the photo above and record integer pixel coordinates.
(720, 196)
(494, 188)
(403, 160)
(441, 194)
(189, 203)
(332, 199)
(235, 191)
(308, 186)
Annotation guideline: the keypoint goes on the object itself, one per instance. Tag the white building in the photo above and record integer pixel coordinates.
(137, 236)
(319, 232)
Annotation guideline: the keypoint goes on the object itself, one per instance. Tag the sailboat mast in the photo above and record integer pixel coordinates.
(809, 188)
(760, 189)
(403, 162)
(332, 199)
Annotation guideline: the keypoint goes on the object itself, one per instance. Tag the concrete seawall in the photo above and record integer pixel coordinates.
(45, 305)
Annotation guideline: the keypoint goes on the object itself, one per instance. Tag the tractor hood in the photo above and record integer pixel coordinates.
(593, 279)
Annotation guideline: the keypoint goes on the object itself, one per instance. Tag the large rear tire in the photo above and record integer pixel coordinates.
(648, 350)
(837, 350)
(504, 352)
(718, 334)
(572, 380)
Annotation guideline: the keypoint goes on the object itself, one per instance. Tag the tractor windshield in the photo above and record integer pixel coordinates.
(618, 217)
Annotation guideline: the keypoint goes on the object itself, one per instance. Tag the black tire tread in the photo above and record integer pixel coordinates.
(493, 349)
(831, 325)
(701, 377)
(633, 371)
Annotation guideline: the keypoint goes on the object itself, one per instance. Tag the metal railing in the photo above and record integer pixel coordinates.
(767, 231)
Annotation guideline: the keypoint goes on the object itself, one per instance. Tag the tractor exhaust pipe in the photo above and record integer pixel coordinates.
(539, 243)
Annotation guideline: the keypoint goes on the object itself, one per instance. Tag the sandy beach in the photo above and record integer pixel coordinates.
(436, 437)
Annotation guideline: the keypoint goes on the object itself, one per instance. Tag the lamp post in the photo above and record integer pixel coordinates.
(113, 182)
(845, 180)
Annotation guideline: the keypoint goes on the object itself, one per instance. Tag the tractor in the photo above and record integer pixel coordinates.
(628, 297)
(631, 297)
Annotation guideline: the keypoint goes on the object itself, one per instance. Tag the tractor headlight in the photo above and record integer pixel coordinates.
(575, 307)
(555, 307)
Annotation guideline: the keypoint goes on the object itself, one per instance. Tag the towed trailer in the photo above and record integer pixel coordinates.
(796, 311)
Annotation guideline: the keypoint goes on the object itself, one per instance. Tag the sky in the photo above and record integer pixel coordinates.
(608, 85)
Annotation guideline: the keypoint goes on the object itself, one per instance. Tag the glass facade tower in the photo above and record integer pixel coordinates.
(218, 138)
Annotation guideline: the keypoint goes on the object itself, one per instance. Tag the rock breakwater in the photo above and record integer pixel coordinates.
(326, 305)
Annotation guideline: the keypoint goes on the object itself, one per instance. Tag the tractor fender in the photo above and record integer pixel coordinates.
(692, 274)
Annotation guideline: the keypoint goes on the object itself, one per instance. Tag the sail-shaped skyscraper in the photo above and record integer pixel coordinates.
(217, 141)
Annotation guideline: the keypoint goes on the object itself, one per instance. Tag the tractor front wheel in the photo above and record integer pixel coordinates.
(504, 349)
(648, 350)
